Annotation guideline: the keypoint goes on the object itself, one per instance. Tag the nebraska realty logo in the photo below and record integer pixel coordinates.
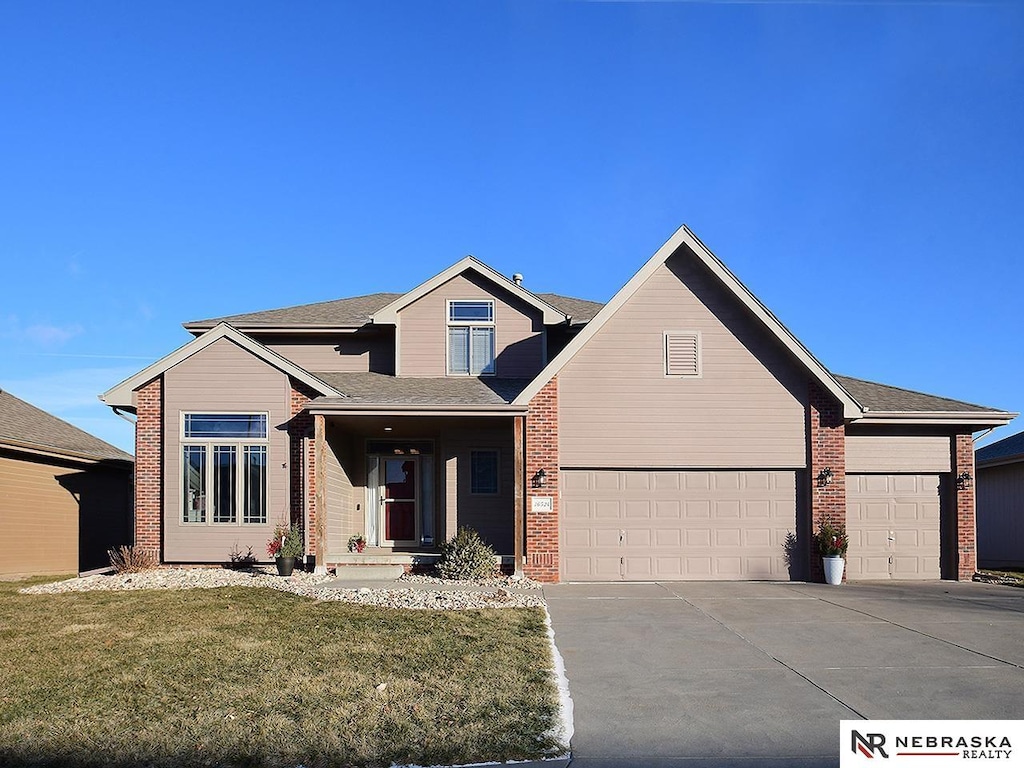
(926, 743)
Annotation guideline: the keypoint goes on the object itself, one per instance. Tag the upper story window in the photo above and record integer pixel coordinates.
(224, 468)
(471, 338)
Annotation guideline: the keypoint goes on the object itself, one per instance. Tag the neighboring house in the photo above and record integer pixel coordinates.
(65, 496)
(678, 432)
(1001, 503)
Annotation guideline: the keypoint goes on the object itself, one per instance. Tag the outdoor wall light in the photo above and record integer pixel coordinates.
(963, 481)
(825, 477)
(540, 478)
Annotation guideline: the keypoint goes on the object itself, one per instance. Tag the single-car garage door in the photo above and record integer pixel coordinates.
(893, 524)
(644, 525)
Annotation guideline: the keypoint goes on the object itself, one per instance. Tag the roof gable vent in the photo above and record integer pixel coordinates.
(682, 353)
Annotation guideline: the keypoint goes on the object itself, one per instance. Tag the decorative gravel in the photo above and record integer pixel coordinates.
(504, 582)
(457, 595)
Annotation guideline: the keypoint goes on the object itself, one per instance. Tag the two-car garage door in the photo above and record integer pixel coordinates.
(672, 525)
(734, 525)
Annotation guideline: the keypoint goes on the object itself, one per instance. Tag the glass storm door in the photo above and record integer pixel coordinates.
(398, 499)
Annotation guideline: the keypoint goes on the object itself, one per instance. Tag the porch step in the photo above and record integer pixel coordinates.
(369, 572)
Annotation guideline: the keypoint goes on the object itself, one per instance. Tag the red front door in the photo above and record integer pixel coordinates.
(399, 493)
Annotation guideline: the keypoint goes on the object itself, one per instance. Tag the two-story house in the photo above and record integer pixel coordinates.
(678, 432)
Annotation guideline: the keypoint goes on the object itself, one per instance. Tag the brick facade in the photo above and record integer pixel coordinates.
(966, 534)
(149, 434)
(826, 433)
(542, 561)
(302, 490)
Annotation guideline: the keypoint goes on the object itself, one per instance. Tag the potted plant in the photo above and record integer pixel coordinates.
(356, 543)
(285, 547)
(832, 543)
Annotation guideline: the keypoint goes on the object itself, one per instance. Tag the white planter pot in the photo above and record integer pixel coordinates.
(834, 569)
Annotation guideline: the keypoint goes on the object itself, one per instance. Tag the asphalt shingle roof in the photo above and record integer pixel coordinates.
(24, 424)
(1002, 449)
(382, 389)
(882, 397)
(356, 311)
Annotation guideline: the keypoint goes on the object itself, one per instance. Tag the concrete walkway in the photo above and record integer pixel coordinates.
(738, 675)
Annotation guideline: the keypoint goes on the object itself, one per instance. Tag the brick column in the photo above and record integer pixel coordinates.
(149, 433)
(826, 434)
(542, 453)
(302, 490)
(966, 549)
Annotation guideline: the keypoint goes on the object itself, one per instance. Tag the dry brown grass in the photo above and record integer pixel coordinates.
(250, 677)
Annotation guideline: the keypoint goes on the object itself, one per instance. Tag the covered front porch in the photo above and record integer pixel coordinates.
(406, 479)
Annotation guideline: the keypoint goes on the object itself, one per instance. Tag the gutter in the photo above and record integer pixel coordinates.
(383, 409)
(74, 456)
(980, 418)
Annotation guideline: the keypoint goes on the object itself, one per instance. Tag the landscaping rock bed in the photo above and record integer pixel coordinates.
(489, 593)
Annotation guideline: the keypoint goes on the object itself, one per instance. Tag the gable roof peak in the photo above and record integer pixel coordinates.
(120, 395)
(388, 315)
(684, 238)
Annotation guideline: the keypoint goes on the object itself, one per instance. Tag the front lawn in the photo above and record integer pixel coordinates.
(255, 677)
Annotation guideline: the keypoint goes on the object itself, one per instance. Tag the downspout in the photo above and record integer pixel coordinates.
(983, 434)
(123, 415)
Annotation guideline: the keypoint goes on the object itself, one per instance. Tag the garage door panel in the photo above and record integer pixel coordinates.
(668, 509)
(893, 526)
(638, 509)
(668, 538)
(677, 525)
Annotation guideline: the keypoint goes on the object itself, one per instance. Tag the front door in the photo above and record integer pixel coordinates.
(399, 499)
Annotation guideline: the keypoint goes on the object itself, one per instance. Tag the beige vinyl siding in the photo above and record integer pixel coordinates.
(617, 407)
(343, 493)
(897, 453)
(224, 378)
(423, 330)
(39, 518)
(490, 515)
(350, 353)
(1000, 516)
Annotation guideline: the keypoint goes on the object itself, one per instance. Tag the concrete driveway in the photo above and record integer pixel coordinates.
(759, 674)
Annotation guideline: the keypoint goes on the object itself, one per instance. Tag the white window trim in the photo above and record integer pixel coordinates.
(208, 443)
(497, 479)
(700, 355)
(471, 324)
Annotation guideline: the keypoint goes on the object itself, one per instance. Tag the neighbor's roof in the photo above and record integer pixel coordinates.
(882, 397)
(27, 427)
(355, 312)
(383, 389)
(1007, 448)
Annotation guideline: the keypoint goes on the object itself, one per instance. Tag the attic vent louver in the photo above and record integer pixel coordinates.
(682, 353)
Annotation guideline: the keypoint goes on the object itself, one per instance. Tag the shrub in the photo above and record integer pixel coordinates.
(128, 559)
(287, 542)
(832, 541)
(466, 556)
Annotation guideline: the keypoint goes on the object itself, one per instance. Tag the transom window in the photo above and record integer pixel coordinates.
(471, 338)
(224, 468)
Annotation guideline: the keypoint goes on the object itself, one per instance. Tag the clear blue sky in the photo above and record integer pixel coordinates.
(859, 165)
